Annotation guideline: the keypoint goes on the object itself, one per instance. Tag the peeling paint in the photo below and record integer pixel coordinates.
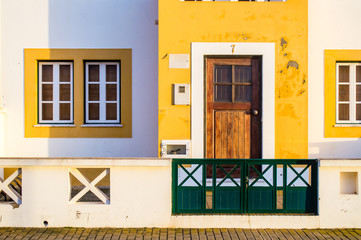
(286, 90)
(284, 43)
(292, 64)
(302, 91)
(287, 110)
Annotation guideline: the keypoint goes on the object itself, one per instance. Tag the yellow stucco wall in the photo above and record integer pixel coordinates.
(331, 130)
(284, 23)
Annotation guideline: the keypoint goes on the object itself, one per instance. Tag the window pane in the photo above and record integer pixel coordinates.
(64, 73)
(47, 111)
(343, 111)
(223, 93)
(223, 74)
(111, 73)
(358, 112)
(243, 94)
(343, 73)
(344, 93)
(47, 73)
(93, 73)
(93, 111)
(111, 111)
(111, 92)
(242, 74)
(358, 73)
(93, 92)
(47, 92)
(358, 92)
(64, 92)
(64, 111)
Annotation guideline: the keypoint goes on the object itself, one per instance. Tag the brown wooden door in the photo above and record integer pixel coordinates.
(233, 98)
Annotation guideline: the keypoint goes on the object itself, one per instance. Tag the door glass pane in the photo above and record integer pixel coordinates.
(223, 93)
(93, 111)
(243, 93)
(343, 73)
(242, 74)
(47, 111)
(111, 111)
(343, 93)
(47, 92)
(358, 92)
(64, 111)
(111, 92)
(343, 111)
(64, 73)
(93, 92)
(64, 92)
(47, 73)
(93, 73)
(358, 112)
(358, 73)
(223, 74)
(111, 72)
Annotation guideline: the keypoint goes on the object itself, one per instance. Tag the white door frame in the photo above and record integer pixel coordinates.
(198, 53)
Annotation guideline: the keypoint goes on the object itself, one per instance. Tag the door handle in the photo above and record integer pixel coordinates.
(252, 112)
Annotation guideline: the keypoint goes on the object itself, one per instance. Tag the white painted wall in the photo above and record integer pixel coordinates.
(333, 24)
(141, 196)
(80, 24)
(338, 210)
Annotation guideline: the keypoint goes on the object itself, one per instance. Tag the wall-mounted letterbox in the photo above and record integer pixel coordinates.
(175, 148)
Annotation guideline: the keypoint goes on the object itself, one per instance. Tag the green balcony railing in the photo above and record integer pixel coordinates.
(245, 186)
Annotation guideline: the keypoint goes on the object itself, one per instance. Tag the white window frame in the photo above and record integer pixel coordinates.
(56, 96)
(352, 94)
(102, 92)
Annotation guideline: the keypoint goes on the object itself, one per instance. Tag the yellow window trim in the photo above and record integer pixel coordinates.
(78, 56)
(333, 130)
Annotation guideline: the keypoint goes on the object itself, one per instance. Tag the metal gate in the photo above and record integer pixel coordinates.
(245, 186)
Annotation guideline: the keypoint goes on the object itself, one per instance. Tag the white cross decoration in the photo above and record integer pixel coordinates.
(90, 185)
(4, 186)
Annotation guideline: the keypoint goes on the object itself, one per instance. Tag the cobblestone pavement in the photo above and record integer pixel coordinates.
(171, 233)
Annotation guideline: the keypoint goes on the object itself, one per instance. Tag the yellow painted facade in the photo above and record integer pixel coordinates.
(331, 130)
(78, 56)
(282, 23)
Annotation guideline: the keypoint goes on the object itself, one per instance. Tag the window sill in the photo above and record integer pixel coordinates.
(102, 125)
(347, 125)
(54, 125)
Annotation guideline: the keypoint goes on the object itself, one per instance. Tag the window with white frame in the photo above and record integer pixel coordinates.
(55, 92)
(102, 92)
(348, 93)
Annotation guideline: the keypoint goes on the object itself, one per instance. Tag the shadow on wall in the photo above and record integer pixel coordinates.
(113, 24)
(336, 148)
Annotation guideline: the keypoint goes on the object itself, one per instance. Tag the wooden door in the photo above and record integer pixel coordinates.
(233, 117)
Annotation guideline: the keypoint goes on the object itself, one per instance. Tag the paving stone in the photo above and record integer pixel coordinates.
(171, 233)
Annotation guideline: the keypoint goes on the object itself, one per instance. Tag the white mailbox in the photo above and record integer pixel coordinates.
(175, 148)
(181, 94)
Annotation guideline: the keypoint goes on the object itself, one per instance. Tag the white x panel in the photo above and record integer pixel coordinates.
(90, 185)
(4, 186)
